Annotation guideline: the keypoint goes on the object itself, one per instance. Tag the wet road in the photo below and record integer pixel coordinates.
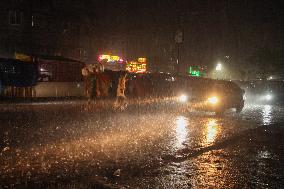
(60, 145)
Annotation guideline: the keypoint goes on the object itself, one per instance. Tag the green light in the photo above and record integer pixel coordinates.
(194, 71)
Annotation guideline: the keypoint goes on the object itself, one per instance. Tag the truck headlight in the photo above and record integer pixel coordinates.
(213, 100)
(183, 98)
(268, 97)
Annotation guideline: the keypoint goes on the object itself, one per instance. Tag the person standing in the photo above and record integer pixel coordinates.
(120, 92)
(88, 73)
(86, 76)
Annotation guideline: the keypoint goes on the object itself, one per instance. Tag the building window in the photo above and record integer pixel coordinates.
(15, 17)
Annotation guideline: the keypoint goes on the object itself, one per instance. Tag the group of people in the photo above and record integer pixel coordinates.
(102, 84)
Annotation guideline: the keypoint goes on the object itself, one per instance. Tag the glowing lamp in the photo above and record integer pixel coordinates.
(213, 100)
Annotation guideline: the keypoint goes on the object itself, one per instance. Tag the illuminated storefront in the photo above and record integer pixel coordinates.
(112, 62)
(110, 58)
(139, 66)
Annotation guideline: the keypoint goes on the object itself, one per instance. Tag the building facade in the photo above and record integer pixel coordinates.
(47, 28)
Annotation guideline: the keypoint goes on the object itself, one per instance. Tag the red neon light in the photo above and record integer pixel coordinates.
(100, 57)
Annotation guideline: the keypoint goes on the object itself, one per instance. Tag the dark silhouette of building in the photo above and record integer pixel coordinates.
(62, 28)
(82, 29)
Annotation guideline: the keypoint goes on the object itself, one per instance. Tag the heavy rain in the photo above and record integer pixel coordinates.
(138, 94)
(60, 144)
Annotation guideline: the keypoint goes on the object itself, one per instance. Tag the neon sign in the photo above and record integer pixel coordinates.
(136, 67)
(110, 58)
(142, 60)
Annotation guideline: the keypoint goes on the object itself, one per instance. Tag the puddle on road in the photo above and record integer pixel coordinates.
(181, 131)
(263, 114)
(267, 115)
(211, 131)
(123, 139)
(189, 132)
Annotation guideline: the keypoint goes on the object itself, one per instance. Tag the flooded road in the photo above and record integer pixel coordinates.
(61, 145)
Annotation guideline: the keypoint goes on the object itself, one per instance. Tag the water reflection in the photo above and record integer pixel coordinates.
(213, 171)
(181, 131)
(264, 154)
(211, 131)
(266, 114)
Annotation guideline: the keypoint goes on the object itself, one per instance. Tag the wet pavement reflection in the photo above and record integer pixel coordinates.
(263, 114)
(266, 114)
(136, 148)
(211, 131)
(181, 131)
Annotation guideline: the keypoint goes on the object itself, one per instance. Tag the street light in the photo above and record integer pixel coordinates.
(219, 67)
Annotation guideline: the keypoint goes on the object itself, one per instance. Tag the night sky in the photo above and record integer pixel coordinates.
(211, 29)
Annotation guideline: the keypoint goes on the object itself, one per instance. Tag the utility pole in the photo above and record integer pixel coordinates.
(30, 29)
(179, 35)
(178, 41)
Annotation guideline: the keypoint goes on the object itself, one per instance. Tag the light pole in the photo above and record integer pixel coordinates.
(179, 34)
(219, 67)
(178, 41)
(218, 70)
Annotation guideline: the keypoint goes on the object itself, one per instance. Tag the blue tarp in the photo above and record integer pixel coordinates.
(18, 73)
